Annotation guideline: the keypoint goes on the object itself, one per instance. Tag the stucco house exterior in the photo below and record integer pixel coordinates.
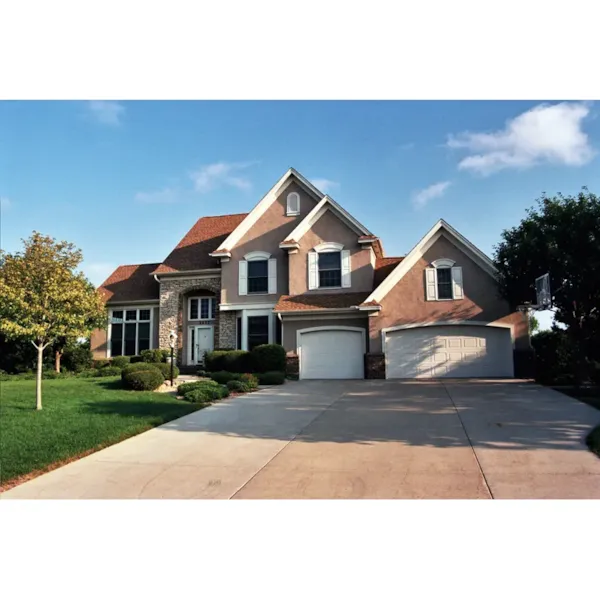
(300, 271)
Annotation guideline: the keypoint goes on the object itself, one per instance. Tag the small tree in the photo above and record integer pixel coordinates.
(560, 236)
(534, 324)
(43, 298)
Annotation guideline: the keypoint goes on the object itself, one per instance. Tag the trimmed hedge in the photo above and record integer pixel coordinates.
(143, 381)
(89, 373)
(111, 371)
(120, 361)
(136, 359)
(272, 378)
(233, 361)
(268, 357)
(199, 396)
(184, 388)
(165, 369)
(139, 366)
(100, 363)
(223, 377)
(152, 356)
(237, 386)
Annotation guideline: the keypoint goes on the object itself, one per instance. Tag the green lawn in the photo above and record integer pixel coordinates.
(79, 415)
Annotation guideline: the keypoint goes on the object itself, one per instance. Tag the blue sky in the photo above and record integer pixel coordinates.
(125, 180)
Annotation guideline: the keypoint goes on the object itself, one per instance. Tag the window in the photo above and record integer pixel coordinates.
(131, 335)
(444, 283)
(293, 204)
(258, 331)
(258, 277)
(202, 308)
(443, 280)
(330, 269)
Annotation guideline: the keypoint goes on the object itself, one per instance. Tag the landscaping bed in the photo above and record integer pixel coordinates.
(80, 416)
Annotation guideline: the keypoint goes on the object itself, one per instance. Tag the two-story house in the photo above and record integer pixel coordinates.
(300, 271)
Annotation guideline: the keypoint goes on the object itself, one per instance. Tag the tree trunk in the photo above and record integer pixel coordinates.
(57, 357)
(38, 381)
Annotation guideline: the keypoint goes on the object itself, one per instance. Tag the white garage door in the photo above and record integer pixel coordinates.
(449, 351)
(332, 354)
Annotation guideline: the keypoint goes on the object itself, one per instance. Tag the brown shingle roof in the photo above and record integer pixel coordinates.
(320, 301)
(383, 267)
(192, 252)
(131, 282)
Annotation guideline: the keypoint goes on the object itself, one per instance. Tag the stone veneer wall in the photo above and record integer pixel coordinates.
(227, 330)
(171, 301)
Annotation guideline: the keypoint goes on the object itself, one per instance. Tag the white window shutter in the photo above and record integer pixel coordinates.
(243, 280)
(346, 269)
(313, 270)
(430, 283)
(457, 283)
(272, 276)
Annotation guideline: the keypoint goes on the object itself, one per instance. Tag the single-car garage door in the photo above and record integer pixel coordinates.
(331, 353)
(449, 351)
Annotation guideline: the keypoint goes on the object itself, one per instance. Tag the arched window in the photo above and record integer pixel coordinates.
(443, 280)
(328, 266)
(293, 204)
(257, 274)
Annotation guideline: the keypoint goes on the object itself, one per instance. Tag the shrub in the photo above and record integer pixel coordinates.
(77, 357)
(166, 355)
(148, 380)
(165, 369)
(237, 386)
(136, 359)
(234, 361)
(119, 361)
(100, 363)
(223, 377)
(152, 356)
(593, 440)
(224, 391)
(202, 373)
(109, 371)
(199, 396)
(138, 368)
(268, 357)
(50, 374)
(553, 357)
(184, 388)
(272, 378)
(250, 380)
(89, 373)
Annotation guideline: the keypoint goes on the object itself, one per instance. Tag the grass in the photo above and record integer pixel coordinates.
(78, 417)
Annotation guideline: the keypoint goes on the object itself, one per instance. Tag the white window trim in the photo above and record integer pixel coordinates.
(326, 247)
(329, 247)
(445, 263)
(199, 298)
(257, 255)
(256, 313)
(288, 211)
(271, 272)
(124, 309)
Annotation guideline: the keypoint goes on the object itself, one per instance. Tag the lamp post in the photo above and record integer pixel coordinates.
(172, 340)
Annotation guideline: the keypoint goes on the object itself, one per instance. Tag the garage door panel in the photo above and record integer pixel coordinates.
(449, 351)
(332, 354)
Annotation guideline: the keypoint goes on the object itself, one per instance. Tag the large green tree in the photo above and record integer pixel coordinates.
(43, 297)
(559, 236)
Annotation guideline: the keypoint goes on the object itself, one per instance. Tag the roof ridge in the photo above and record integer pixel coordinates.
(138, 264)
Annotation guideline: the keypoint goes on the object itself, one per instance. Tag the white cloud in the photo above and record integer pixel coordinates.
(325, 185)
(545, 134)
(98, 272)
(106, 112)
(164, 196)
(5, 203)
(209, 177)
(422, 197)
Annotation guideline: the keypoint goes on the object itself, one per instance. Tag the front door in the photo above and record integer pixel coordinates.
(201, 341)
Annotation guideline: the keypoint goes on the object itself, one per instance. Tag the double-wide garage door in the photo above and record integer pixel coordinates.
(449, 351)
(332, 354)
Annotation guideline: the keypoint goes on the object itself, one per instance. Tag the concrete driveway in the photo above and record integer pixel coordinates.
(352, 439)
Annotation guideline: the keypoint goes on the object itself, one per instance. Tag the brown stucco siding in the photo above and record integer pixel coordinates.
(265, 235)
(290, 328)
(329, 228)
(406, 303)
